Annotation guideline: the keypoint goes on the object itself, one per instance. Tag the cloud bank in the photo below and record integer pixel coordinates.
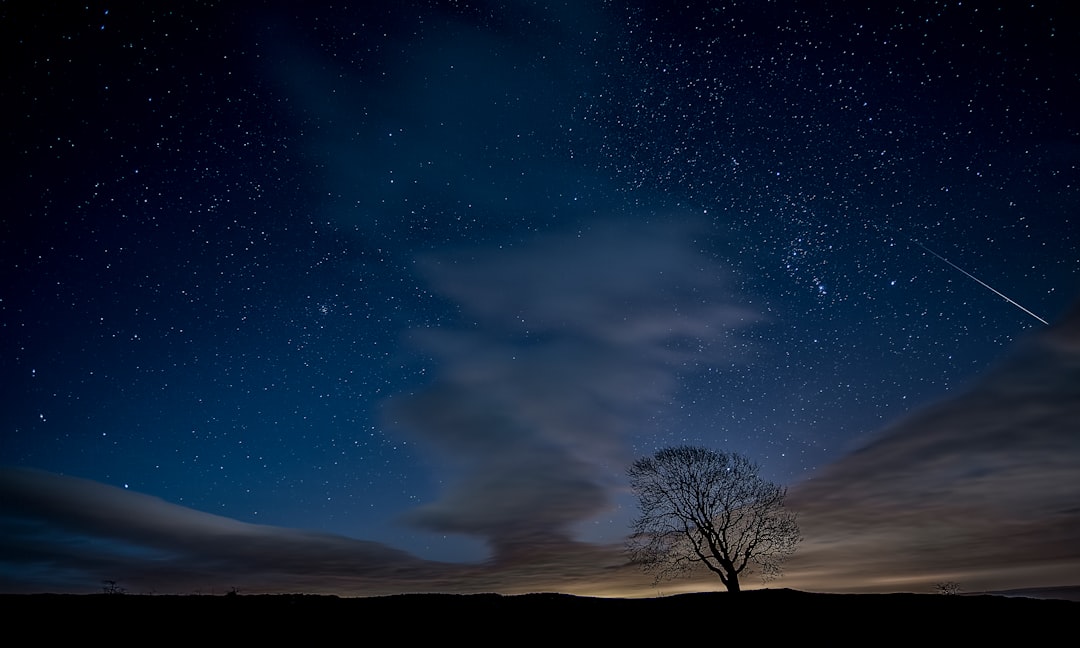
(66, 534)
(981, 488)
(575, 338)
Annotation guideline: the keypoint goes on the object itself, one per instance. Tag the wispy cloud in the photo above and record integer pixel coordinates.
(68, 534)
(977, 488)
(576, 337)
(78, 531)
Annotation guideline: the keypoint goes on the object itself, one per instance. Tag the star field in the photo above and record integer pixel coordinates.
(357, 269)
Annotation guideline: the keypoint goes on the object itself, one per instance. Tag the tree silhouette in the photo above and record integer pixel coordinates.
(702, 507)
(947, 587)
(111, 587)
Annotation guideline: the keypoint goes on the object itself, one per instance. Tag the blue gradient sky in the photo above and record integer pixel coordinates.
(413, 285)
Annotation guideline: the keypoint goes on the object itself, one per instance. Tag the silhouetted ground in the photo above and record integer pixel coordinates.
(760, 616)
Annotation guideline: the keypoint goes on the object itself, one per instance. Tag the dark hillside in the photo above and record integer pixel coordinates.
(489, 619)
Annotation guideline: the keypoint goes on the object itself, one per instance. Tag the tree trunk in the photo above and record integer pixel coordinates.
(732, 583)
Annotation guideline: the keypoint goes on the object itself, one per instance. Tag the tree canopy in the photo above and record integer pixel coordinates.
(700, 507)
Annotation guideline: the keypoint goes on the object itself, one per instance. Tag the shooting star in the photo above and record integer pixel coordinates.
(981, 282)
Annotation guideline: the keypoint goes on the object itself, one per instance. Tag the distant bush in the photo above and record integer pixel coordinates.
(947, 587)
(111, 587)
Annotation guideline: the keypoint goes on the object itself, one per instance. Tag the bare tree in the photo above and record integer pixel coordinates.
(702, 507)
(111, 587)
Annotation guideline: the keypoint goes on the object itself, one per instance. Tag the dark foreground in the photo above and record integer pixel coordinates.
(760, 616)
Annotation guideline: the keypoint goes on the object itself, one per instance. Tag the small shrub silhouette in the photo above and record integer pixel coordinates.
(948, 588)
(111, 587)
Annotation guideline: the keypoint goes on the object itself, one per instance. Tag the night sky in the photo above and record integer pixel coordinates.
(386, 297)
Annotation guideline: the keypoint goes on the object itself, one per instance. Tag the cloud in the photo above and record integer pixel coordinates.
(66, 534)
(79, 528)
(620, 285)
(577, 336)
(982, 486)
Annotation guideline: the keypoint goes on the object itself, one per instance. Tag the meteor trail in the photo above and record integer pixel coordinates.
(981, 282)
